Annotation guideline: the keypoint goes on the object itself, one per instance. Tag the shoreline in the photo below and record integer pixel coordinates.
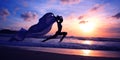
(12, 53)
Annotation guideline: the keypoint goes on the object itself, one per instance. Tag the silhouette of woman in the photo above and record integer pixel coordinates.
(59, 20)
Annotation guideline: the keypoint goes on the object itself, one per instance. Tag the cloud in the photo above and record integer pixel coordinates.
(70, 1)
(114, 30)
(15, 10)
(24, 3)
(83, 22)
(97, 8)
(29, 16)
(4, 13)
(52, 1)
(81, 17)
(93, 12)
(117, 15)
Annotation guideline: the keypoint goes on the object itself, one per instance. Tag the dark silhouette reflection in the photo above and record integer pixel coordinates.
(59, 20)
(41, 28)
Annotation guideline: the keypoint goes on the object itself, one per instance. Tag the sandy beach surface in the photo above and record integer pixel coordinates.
(13, 53)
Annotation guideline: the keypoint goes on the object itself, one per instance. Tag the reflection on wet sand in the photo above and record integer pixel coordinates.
(86, 52)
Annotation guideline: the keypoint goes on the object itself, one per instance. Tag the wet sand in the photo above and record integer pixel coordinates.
(12, 53)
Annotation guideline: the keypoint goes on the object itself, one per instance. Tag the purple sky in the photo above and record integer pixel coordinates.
(99, 18)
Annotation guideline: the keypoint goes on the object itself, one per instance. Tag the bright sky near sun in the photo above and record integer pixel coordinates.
(90, 18)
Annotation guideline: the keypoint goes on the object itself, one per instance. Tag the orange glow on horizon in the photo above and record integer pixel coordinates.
(91, 25)
(95, 27)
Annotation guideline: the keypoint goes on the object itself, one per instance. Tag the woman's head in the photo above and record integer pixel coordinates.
(59, 18)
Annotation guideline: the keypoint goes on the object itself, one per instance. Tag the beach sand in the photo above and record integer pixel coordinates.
(12, 53)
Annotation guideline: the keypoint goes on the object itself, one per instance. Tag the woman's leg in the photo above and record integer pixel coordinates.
(51, 37)
(64, 35)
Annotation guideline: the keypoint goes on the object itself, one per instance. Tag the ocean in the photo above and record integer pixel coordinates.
(95, 47)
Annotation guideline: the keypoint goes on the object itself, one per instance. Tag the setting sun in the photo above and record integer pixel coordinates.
(87, 27)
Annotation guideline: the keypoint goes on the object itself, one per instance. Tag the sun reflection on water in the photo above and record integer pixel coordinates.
(88, 42)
